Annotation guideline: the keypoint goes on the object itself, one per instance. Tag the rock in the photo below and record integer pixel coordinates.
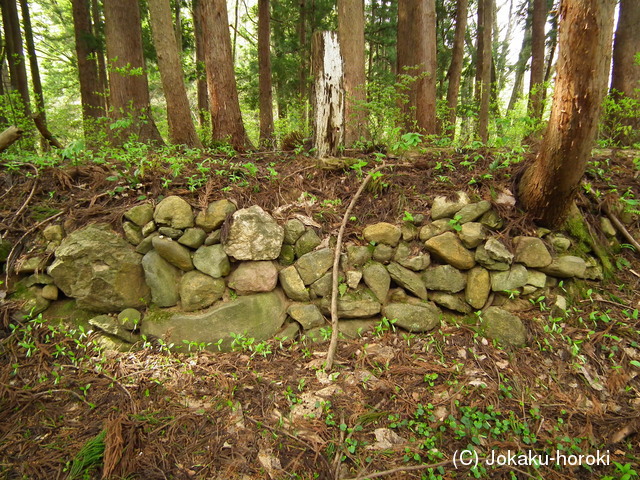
(32, 301)
(560, 305)
(607, 227)
(53, 233)
(383, 253)
(198, 291)
(214, 216)
(212, 261)
(313, 265)
(448, 247)
(193, 238)
(31, 264)
(163, 279)
(491, 220)
(355, 328)
(435, 228)
(358, 255)
(307, 242)
(130, 318)
(289, 332)
(509, 280)
(566, 266)
(358, 304)
(536, 278)
(450, 301)
(505, 327)
(293, 230)
(140, 215)
(100, 269)
(309, 316)
(174, 212)
(253, 277)
(287, 255)
(560, 243)
(322, 287)
(254, 235)
(170, 232)
(147, 244)
(472, 234)
(377, 278)
(443, 207)
(132, 233)
(409, 231)
(445, 278)
(112, 326)
(478, 287)
(257, 316)
(405, 257)
(382, 233)
(531, 252)
(408, 280)
(50, 292)
(213, 238)
(472, 212)
(37, 279)
(293, 285)
(149, 228)
(497, 251)
(421, 317)
(174, 253)
(353, 279)
(484, 259)
(594, 270)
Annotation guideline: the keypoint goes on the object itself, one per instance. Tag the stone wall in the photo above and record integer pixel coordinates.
(208, 277)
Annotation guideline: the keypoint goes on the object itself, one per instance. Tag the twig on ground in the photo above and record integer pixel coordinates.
(621, 228)
(412, 468)
(16, 216)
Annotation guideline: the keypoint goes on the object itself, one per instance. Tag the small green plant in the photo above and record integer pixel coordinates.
(383, 326)
(455, 223)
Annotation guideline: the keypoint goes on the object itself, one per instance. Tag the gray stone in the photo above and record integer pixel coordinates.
(212, 261)
(53, 233)
(358, 304)
(31, 264)
(484, 259)
(531, 252)
(491, 220)
(407, 279)
(293, 230)
(37, 279)
(198, 291)
(566, 266)
(420, 317)
(443, 207)
(322, 287)
(435, 228)
(509, 280)
(536, 278)
(148, 228)
(293, 285)
(214, 216)
(31, 301)
(132, 233)
(254, 235)
(560, 243)
(453, 302)
(358, 255)
(448, 247)
(112, 326)
(307, 242)
(383, 253)
(472, 234)
(505, 327)
(607, 227)
(407, 258)
(213, 238)
(170, 232)
(253, 277)
(445, 278)
(309, 316)
(287, 255)
(100, 269)
(353, 278)
(377, 278)
(146, 245)
(472, 212)
(289, 332)
(130, 318)
(174, 253)
(382, 233)
(257, 316)
(163, 279)
(529, 289)
(497, 251)
(140, 214)
(50, 292)
(594, 270)
(174, 212)
(478, 287)
(193, 238)
(409, 231)
(314, 264)
(355, 328)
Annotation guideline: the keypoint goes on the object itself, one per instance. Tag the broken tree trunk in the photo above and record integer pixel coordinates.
(328, 94)
(9, 136)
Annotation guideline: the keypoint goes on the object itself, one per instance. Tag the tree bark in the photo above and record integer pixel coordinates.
(86, 53)
(129, 89)
(9, 136)
(351, 38)
(483, 75)
(535, 105)
(455, 69)
(15, 53)
(226, 118)
(548, 185)
(201, 73)
(264, 71)
(521, 64)
(625, 80)
(181, 128)
(98, 34)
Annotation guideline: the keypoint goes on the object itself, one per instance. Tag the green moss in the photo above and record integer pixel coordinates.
(585, 242)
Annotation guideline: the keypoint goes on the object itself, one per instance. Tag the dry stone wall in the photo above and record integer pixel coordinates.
(208, 277)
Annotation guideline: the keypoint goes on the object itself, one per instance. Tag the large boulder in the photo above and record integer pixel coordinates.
(100, 269)
(257, 316)
(254, 235)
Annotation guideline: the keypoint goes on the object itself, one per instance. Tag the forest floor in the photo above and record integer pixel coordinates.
(396, 405)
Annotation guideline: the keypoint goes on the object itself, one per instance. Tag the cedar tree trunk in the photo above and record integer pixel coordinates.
(537, 59)
(455, 69)
(483, 73)
(264, 72)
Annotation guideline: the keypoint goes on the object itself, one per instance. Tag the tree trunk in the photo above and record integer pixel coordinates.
(264, 72)
(455, 69)
(351, 38)
(483, 75)
(417, 58)
(129, 90)
(302, 38)
(226, 118)
(548, 185)
(181, 128)
(86, 53)
(15, 53)
(177, 25)
(201, 73)
(625, 81)
(9, 137)
(521, 64)
(537, 59)
(98, 34)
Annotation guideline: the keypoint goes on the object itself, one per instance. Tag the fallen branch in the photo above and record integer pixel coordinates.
(46, 133)
(9, 137)
(621, 228)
